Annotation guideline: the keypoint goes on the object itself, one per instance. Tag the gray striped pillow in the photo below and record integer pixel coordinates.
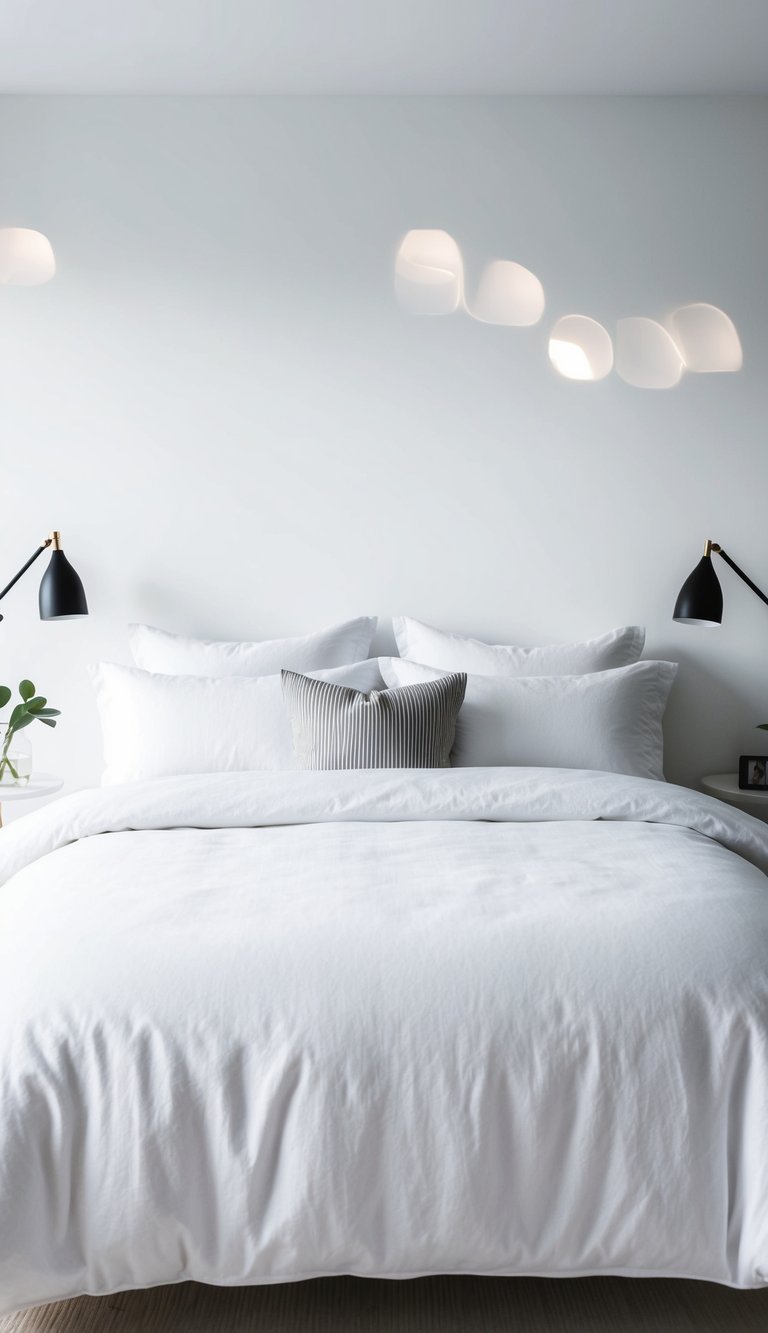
(335, 726)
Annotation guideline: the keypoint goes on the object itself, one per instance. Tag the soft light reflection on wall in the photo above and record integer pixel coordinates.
(429, 273)
(508, 294)
(430, 280)
(26, 257)
(646, 356)
(707, 338)
(580, 348)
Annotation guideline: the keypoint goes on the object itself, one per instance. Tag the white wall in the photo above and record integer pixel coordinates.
(240, 434)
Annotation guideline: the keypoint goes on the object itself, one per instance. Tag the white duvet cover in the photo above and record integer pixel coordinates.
(256, 1027)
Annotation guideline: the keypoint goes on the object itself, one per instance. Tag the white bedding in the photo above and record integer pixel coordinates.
(282, 1024)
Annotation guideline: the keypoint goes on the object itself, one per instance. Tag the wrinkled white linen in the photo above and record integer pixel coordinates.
(255, 1027)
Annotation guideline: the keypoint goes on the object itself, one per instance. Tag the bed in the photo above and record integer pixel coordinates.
(256, 1027)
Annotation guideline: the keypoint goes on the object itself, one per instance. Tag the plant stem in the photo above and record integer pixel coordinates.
(4, 760)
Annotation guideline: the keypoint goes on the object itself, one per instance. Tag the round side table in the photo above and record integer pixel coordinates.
(726, 787)
(40, 784)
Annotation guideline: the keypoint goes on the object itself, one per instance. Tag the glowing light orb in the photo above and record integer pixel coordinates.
(580, 348)
(707, 338)
(508, 294)
(429, 273)
(646, 356)
(26, 257)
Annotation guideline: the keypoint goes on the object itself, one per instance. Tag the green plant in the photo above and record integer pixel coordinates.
(31, 709)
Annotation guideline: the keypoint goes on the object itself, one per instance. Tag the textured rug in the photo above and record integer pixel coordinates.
(424, 1305)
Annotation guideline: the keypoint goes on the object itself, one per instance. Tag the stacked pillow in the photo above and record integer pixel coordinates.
(156, 726)
(454, 652)
(609, 720)
(586, 705)
(198, 706)
(176, 655)
(317, 701)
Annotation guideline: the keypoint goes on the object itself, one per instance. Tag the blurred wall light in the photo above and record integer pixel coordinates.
(508, 294)
(26, 257)
(707, 338)
(430, 280)
(429, 273)
(646, 356)
(580, 348)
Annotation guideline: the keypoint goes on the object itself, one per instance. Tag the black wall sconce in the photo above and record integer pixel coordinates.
(62, 595)
(700, 600)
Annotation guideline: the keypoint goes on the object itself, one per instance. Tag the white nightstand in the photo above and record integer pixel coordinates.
(40, 784)
(726, 787)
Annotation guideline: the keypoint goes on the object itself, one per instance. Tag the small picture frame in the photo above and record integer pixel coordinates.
(753, 772)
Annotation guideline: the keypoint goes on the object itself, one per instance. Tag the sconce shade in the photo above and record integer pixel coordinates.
(700, 600)
(62, 595)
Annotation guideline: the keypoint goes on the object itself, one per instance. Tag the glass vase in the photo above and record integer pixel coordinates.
(15, 758)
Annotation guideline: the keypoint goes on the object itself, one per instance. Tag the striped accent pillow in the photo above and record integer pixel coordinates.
(335, 726)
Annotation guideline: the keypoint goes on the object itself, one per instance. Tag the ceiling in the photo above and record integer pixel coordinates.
(383, 46)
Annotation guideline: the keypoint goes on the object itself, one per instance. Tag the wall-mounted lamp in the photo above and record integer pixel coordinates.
(62, 595)
(700, 600)
(26, 257)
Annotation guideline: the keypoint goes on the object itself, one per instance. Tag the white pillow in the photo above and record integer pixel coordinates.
(454, 652)
(609, 720)
(174, 655)
(156, 726)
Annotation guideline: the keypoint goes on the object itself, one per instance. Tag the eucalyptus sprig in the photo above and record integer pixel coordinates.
(33, 708)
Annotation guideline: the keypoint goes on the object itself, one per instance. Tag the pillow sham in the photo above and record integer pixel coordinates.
(454, 652)
(609, 720)
(176, 655)
(157, 725)
(335, 726)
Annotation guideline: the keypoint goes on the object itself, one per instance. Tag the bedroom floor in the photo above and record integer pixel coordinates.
(442, 1305)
